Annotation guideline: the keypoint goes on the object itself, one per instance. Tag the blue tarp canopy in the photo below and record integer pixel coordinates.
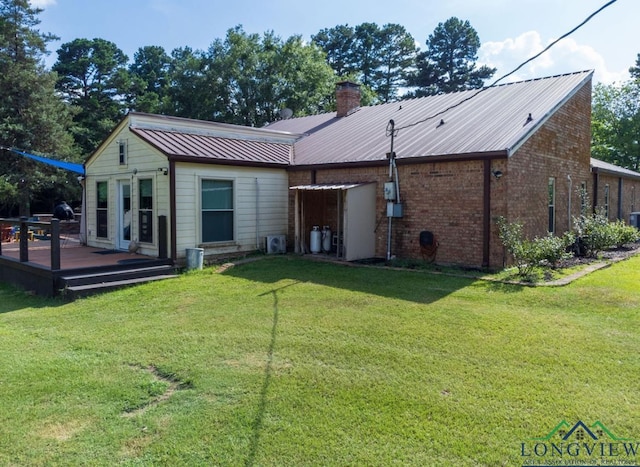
(77, 168)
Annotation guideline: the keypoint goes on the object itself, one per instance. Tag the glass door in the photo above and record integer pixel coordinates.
(124, 215)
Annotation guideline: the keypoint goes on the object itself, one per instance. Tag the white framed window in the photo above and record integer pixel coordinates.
(217, 216)
(102, 209)
(122, 152)
(145, 210)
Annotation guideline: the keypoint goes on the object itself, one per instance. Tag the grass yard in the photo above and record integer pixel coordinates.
(284, 361)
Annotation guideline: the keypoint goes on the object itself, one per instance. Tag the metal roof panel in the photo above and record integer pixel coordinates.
(214, 148)
(476, 121)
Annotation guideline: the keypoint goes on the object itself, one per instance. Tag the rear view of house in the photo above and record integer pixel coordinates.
(371, 181)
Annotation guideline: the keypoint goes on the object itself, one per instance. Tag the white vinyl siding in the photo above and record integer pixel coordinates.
(260, 197)
(143, 162)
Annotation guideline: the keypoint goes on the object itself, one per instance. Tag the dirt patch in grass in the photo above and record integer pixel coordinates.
(173, 384)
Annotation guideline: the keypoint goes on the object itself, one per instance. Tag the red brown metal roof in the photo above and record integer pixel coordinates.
(206, 148)
(494, 120)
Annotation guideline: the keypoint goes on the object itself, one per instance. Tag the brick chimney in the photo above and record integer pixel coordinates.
(347, 98)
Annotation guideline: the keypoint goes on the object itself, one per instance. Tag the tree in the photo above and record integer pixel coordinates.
(449, 62)
(615, 123)
(190, 93)
(149, 75)
(252, 77)
(635, 70)
(32, 117)
(337, 43)
(378, 58)
(93, 77)
(397, 58)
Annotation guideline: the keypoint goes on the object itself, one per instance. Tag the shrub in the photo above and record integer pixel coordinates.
(552, 249)
(594, 233)
(624, 233)
(521, 250)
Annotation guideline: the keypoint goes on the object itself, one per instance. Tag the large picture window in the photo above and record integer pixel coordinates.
(217, 211)
(145, 210)
(102, 209)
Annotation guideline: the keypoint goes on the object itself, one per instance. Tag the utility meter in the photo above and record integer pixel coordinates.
(390, 191)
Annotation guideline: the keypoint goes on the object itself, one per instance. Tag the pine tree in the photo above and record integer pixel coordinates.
(32, 117)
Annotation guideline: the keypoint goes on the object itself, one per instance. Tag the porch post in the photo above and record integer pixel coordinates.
(24, 240)
(296, 222)
(55, 244)
(162, 238)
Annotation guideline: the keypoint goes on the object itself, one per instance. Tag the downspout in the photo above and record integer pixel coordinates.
(257, 215)
(595, 190)
(172, 208)
(486, 214)
(569, 204)
(620, 198)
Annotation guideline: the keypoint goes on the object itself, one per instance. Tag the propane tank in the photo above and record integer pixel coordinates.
(316, 236)
(326, 239)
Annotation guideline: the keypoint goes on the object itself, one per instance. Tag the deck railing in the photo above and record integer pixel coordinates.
(52, 227)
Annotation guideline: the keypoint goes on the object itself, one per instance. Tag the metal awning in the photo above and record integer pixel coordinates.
(328, 186)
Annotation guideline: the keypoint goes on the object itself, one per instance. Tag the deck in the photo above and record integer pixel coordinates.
(73, 255)
(61, 263)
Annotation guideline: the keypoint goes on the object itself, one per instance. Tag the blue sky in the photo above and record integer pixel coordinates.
(510, 30)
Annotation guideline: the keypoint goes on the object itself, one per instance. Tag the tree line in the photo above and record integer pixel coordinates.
(243, 78)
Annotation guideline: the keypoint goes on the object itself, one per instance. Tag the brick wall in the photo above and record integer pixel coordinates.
(447, 198)
(628, 192)
(560, 149)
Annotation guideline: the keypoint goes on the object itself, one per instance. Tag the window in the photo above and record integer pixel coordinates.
(145, 210)
(102, 209)
(552, 205)
(217, 211)
(122, 152)
(606, 201)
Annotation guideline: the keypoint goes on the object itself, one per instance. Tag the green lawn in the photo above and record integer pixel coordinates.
(284, 361)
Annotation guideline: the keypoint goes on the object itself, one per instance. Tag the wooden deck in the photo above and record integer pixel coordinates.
(72, 254)
(83, 270)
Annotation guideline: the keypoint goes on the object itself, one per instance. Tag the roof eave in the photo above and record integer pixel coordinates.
(499, 154)
(228, 162)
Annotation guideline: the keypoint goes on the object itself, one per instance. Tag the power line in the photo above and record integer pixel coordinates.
(564, 36)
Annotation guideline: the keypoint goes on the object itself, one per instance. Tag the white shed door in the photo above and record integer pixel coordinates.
(360, 222)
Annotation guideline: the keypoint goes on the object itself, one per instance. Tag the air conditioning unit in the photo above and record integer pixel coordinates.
(634, 219)
(276, 244)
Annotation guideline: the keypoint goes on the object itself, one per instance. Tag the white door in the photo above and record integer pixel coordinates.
(124, 215)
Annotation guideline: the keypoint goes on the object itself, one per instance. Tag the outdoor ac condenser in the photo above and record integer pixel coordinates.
(276, 244)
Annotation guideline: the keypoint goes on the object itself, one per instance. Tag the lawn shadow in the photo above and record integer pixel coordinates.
(268, 372)
(13, 299)
(415, 286)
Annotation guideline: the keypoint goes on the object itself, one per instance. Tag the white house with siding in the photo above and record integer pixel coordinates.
(168, 184)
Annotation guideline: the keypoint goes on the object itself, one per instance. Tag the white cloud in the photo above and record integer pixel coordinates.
(564, 57)
(41, 3)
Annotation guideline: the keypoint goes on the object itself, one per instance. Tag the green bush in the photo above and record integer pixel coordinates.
(521, 250)
(553, 249)
(624, 234)
(595, 233)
